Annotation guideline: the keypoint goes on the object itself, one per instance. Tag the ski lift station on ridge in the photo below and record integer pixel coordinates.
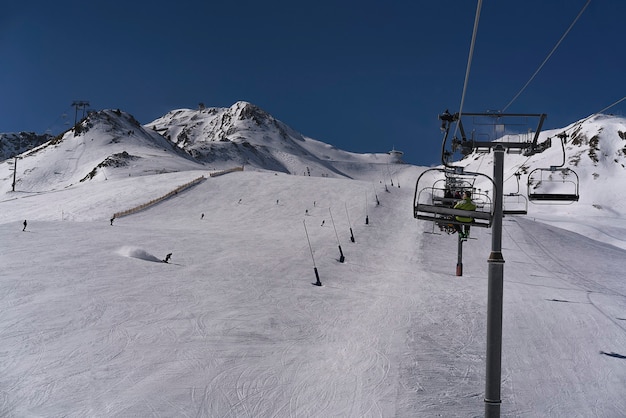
(395, 156)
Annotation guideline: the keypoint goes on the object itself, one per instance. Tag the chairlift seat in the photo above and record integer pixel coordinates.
(515, 204)
(436, 212)
(444, 201)
(557, 197)
(441, 210)
(569, 183)
(515, 212)
(439, 220)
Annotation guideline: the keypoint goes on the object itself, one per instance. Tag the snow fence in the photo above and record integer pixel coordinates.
(173, 192)
(230, 170)
(159, 199)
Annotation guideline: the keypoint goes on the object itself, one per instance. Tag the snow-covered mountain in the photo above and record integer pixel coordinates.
(111, 143)
(93, 323)
(244, 134)
(106, 144)
(12, 144)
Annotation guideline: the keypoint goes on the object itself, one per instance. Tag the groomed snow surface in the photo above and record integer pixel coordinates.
(94, 324)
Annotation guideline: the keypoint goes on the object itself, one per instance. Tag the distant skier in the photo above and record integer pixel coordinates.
(25, 224)
(167, 258)
(322, 223)
(202, 216)
(112, 219)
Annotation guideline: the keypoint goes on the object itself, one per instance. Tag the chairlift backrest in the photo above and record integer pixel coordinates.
(514, 204)
(554, 184)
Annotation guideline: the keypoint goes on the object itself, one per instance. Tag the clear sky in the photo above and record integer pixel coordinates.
(364, 75)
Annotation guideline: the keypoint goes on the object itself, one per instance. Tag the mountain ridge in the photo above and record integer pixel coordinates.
(112, 143)
(248, 135)
(207, 138)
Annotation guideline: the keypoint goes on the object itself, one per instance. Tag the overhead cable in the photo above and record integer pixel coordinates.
(548, 57)
(598, 112)
(469, 61)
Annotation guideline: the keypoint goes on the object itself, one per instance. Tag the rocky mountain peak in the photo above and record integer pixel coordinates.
(12, 144)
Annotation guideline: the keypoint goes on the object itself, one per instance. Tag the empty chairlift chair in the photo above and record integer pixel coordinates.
(553, 185)
(515, 203)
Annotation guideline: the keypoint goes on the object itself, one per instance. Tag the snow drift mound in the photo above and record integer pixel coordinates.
(139, 253)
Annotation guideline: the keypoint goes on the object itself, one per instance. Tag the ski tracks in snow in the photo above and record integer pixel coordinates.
(574, 313)
(339, 341)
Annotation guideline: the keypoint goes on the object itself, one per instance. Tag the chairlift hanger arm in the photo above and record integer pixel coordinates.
(447, 120)
(467, 146)
(542, 118)
(562, 136)
(538, 148)
(462, 130)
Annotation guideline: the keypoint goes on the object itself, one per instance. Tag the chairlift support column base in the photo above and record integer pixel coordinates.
(459, 262)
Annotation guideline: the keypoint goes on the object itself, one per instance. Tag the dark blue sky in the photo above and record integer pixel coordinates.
(364, 76)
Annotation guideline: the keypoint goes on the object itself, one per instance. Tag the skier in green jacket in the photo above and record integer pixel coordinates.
(465, 204)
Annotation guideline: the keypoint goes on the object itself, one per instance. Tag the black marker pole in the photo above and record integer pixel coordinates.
(341, 257)
(349, 223)
(317, 276)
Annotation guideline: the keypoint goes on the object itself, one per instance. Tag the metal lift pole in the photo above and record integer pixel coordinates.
(14, 173)
(495, 295)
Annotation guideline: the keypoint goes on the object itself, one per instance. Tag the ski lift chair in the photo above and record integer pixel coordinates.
(431, 204)
(545, 186)
(515, 203)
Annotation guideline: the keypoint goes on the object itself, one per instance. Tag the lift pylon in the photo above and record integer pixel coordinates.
(499, 141)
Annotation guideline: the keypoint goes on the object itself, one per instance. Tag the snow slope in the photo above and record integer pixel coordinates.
(92, 324)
